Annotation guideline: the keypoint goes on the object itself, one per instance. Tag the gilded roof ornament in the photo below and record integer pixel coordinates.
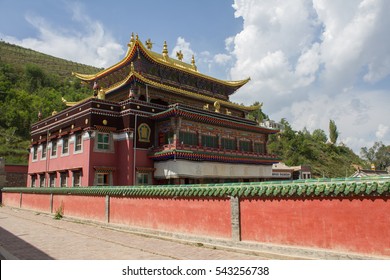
(131, 39)
(193, 63)
(149, 44)
(179, 55)
(165, 50)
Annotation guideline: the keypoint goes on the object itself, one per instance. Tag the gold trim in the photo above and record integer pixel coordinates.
(158, 58)
(181, 91)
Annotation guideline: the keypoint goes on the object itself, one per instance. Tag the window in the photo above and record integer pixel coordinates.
(65, 145)
(52, 180)
(143, 178)
(245, 146)
(35, 153)
(44, 149)
(53, 148)
(33, 180)
(210, 141)
(259, 148)
(63, 179)
(76, 178)
(168, 137)
(78, 143)
(188, 138)
(103, 141)
(42, 180)
(103, 179)
(228, 144)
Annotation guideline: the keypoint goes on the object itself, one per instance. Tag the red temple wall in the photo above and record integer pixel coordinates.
(209, 217)
(11, 199)
(86, 207)
(39, 202)
(358, 225)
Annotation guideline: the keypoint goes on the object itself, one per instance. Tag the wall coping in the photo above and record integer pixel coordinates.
(302, 189)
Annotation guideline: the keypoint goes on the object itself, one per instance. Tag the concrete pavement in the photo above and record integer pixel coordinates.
(31, 235)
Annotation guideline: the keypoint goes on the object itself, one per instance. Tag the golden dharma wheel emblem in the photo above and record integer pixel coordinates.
(105, 122)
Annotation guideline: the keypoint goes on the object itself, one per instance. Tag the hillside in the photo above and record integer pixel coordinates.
(32, 82)
(19, 57)
(313, 149)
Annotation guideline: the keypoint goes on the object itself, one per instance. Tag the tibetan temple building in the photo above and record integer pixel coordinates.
(151, 119)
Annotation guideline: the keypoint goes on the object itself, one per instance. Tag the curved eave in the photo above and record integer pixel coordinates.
(159, 59)
(181, 91)
(74, 103)
(179, 65)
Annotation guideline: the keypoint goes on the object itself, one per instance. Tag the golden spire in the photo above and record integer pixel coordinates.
(165, 50)
(179, 55)
(149, 44)
(131, 39)
(193, 63)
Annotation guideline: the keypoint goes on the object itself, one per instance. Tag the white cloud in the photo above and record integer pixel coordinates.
(183, 46)
(314, 60)
(381, 131)
(222, 58)
(90, 43)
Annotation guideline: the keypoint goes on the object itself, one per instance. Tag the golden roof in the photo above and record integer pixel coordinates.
(190, 94)
(163, 59)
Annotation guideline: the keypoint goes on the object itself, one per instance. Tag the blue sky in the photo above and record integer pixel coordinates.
(309, 60)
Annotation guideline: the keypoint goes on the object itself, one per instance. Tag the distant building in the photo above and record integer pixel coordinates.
(360, 172)
(281, 171)
(12, 175)
(152, 119)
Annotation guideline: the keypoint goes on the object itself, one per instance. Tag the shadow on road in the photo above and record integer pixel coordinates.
(19, 248)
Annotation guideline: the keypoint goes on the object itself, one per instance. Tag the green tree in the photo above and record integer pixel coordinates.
(378, 154)
(319, 135)
(333, 132)
(257, 115)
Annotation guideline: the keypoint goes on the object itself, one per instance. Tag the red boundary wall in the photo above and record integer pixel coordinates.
(86, 207)
(349, 225)
(353, 225)
(207, 217)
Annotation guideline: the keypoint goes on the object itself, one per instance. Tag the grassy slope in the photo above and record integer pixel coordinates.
(19, 57)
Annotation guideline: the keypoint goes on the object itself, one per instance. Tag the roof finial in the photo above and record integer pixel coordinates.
(149, 44)
(136, 37)
(193, 63)
(131, 38)
(165, 50)
(179, 55)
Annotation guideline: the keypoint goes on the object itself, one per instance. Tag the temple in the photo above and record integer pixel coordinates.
(151, 119)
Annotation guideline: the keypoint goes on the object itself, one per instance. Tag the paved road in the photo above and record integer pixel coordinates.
(30, 235)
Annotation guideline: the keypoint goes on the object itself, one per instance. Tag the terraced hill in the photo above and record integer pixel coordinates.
(19, 57)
